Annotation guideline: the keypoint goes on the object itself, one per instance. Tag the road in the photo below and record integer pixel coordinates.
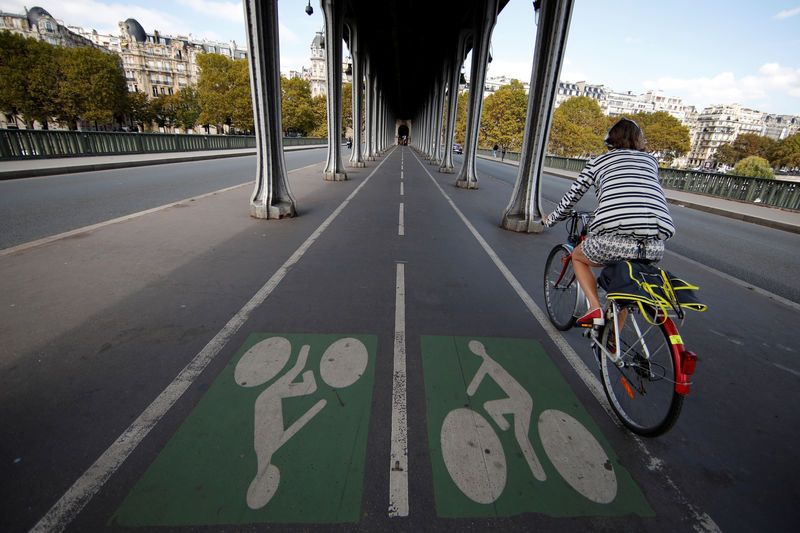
(85, 354)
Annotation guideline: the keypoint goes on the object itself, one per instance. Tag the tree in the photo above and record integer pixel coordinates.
(461, 118)
(297, 115)
(223, 91)
(666, 137)
(139, 110)
(92, 86)
(240, 97)
(164, 110)
(754, 166)
(187, 107)
(30, 72)
(347, 107)
(503, 118)
(319, 109)
(726, 154)
(749, 144)
(578, 128)
(787, 152)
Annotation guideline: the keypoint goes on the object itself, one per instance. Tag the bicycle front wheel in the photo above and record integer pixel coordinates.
(560, 288)
(641, 385)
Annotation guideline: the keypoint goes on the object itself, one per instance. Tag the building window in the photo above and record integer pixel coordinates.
(155, 91)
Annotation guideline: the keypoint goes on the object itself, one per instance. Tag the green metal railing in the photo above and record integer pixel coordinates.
(770, 192)
(27, 144)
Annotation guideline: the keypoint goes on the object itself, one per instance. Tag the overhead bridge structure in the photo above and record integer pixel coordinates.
(407, 58)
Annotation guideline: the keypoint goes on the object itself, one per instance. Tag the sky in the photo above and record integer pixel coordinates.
(703, 51)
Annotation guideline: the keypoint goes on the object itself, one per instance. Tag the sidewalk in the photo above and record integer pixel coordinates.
(29, 168)
(770, 217)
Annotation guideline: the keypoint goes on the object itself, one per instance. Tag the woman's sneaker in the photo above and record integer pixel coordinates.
(592, 318)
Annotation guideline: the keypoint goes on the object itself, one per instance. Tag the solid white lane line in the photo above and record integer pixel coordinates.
(401, 230)
(84, 489)
(398, 464)
(704, 521)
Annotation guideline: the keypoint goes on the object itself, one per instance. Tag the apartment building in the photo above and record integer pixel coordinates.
(157, 64)
(718, 125)
(38, 24)
(567, 90)
(317, 75)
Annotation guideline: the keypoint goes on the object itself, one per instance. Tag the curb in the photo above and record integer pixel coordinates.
(89, 167)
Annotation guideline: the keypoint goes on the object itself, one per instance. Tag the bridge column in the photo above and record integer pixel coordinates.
(438, 120)
(334, 171)
(369, 103)
(524, 212)
(453, 77)
(356, 158)
(468, 177)
(272, 198)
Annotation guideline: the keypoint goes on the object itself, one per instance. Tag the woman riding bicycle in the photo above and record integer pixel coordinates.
(632, 219)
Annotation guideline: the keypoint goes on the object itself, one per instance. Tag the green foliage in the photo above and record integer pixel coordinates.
(44, 82)
(319, 110)
(187, 107)
(297, 115)
(223, 92)
(461, 118)
(754, 166)
(503, 117)
(164, 110)
(93, 88)
(666, 137)
(578, 128)
(746, 145)
(139, 110)
(787, 152)
(347, 107)
(749, 144)
(726, 155)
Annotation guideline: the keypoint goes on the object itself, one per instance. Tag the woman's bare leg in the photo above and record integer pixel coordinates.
(583, 272)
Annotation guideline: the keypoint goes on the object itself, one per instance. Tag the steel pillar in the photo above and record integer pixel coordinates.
(271, 198)
(332, 13)
(453, 75)
(356, 158)
(468, 177)
(524, 212)
(438, 119)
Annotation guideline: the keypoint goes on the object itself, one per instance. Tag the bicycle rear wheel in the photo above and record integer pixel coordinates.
(560, 288)
(641, 386)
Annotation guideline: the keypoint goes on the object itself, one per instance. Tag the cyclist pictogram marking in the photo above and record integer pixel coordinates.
(280, 436)
(507, 435)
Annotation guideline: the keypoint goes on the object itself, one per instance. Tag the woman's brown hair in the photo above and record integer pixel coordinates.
(625, 134)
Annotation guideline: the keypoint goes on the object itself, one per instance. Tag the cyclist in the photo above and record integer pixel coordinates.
(632, 219)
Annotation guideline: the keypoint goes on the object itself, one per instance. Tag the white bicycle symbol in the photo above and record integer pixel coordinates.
(342, 364)
(474, 455)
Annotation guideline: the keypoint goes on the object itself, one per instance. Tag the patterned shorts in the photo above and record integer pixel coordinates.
(607, 249)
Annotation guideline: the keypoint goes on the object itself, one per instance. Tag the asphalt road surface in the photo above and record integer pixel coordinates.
(408, 280)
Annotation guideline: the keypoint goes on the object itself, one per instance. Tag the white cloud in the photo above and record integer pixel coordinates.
(231, 11)
(787, 13)
(725, 88)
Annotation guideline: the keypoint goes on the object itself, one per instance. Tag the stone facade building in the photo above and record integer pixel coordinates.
(317, 75)
(157, 64)
(38, 24)
(718, 125)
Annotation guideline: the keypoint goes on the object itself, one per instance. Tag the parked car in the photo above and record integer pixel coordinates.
(457, 148)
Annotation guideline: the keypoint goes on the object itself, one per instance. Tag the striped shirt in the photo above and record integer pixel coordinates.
(629, 196)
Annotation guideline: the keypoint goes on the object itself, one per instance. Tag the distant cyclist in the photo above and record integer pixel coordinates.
(632, 219)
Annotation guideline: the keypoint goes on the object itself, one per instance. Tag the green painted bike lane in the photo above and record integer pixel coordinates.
(281, 435)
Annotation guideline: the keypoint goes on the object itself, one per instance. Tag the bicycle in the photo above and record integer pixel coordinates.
(644, 365)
